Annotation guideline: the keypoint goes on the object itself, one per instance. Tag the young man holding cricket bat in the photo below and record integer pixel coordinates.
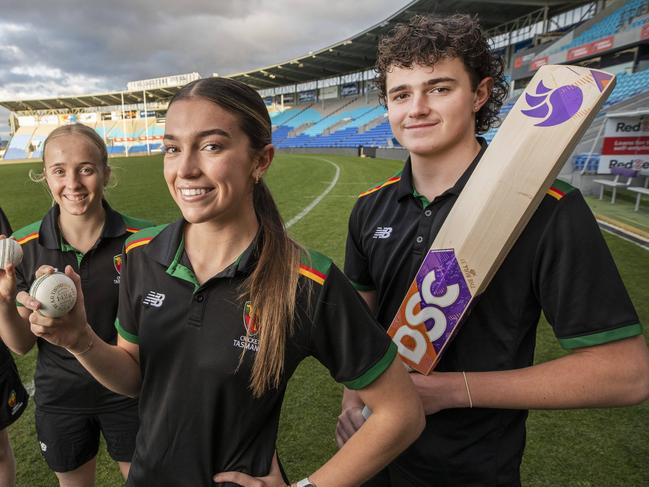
(442, 85)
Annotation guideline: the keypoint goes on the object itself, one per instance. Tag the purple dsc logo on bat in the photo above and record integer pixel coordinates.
(553, 106)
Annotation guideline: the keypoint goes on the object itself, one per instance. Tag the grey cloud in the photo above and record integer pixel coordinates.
(118, 41)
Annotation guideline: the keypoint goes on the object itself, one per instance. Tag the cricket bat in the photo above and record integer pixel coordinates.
(503, 192)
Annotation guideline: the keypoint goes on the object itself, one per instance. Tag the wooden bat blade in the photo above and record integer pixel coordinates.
(494, 207)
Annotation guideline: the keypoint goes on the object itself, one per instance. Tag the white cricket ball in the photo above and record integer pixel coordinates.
(10, 252)
(56, 293)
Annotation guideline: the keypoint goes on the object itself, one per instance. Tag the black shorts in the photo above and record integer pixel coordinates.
(13, 396)
(393, 476)
(68, 440)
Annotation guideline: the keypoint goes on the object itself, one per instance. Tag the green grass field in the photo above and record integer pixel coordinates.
(564, 448)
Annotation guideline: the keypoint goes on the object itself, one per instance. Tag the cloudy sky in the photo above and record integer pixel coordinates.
(50, 48)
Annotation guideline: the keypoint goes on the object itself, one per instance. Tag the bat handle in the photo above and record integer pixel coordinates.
(366, 412)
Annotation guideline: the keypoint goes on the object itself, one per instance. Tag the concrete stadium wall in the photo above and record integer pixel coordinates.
(397, 154)
(322, 151)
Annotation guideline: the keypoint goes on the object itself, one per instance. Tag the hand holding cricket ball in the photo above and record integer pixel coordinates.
(55, 292)
(56, 300)
(11, 254)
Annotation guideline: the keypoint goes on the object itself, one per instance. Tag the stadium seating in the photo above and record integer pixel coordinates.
(19, 144)
(344, 123)
(591, 161)
(105, 129)
(142, 148)
(352, 134)
(306, 116)
(280, 118)
(609, 25)
(629, 85)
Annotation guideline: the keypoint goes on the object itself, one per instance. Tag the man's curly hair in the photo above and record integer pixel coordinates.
(425, 40)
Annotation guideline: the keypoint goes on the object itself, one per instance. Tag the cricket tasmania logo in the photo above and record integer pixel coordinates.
(249, 341)
(248, 322)
(117, 262)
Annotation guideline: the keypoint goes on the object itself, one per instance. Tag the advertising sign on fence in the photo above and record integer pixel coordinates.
(625, 144)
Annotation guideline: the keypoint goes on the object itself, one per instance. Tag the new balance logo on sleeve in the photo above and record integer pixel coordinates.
(382, 232)
(154, 299)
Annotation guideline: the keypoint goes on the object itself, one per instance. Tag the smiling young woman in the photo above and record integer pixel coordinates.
(81, 231)
(226, 298)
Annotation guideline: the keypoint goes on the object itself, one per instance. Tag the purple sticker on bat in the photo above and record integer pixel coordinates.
(561, 104)
(541, 88)
(534, 101)
(444, 296)
(602, 79)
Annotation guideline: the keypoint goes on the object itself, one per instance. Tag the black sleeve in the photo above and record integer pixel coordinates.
(127, 321)
(345, 337)
(24, 278)
(22, 284)
(5, 226)
(579, 287)
(24, 273)
(356, 263)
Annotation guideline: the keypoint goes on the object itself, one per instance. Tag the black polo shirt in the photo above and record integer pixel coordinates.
(560, 265)
(62, 384)
(5, 356)
(197, 413)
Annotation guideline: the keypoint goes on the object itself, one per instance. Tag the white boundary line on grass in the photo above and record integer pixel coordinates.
(624, 235)
(315, 202)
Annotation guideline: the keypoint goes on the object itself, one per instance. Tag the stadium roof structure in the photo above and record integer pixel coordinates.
(84, 102)
(352, 55)
(359, 51)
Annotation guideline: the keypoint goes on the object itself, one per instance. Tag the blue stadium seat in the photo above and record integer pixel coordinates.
(17, 147)
(609, 25)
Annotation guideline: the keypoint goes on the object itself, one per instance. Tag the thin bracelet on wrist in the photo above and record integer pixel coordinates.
(468, 391)
(91, 344)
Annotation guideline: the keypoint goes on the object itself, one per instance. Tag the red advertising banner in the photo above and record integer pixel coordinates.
(537, 63)
(579, 51)
(600, 45)
(644, 33)
(603, 44)
(625, 145)
(518, 62)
